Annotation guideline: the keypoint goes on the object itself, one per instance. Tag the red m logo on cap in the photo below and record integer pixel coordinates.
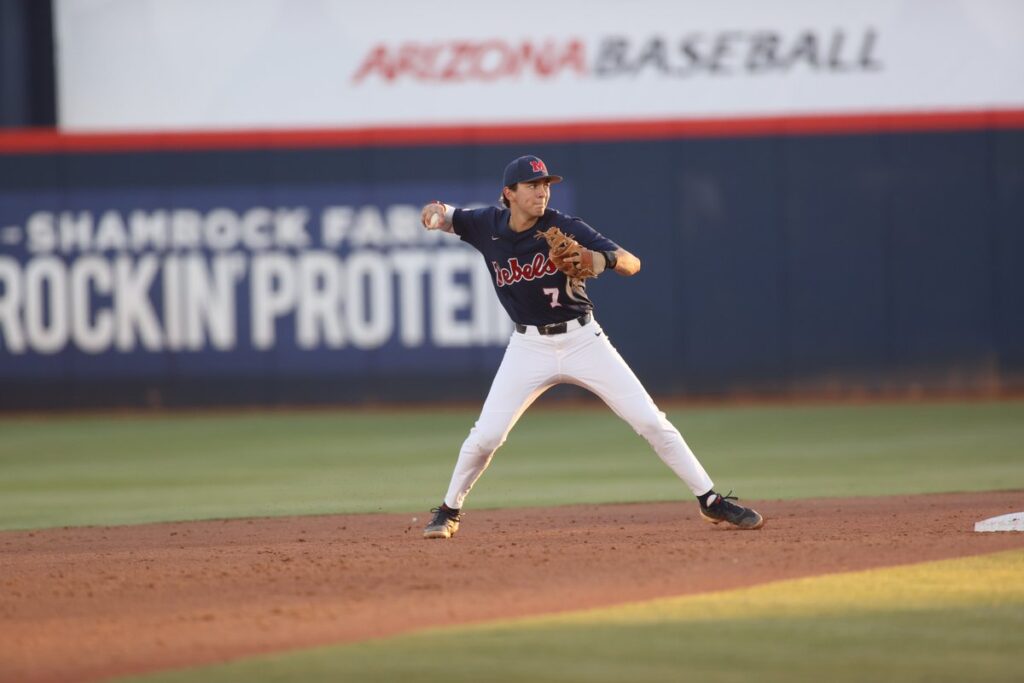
(538, 167)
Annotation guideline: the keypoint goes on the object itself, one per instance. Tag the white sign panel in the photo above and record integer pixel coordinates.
(218, 64)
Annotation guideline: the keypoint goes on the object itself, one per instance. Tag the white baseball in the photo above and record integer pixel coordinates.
(434, 220)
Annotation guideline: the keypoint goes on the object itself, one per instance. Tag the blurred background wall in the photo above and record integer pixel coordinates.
(216, 203)
(27, 96)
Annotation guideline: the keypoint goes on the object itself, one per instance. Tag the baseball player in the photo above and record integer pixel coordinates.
(556, 338)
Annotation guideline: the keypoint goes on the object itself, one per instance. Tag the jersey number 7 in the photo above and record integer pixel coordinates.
(553, 293)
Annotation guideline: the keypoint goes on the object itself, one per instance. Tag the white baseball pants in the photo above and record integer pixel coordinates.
(534, 363)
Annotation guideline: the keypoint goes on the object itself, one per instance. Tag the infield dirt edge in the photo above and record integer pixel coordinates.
(88, 603)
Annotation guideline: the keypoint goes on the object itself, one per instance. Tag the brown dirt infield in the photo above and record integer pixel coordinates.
(84, 604)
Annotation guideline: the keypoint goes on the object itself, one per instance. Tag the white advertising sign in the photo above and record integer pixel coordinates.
(227, 64)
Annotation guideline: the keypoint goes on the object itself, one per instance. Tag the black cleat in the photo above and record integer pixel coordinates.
(722, 510)
(444, 524)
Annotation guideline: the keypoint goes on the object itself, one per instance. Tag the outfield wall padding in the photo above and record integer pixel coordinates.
(839, 264)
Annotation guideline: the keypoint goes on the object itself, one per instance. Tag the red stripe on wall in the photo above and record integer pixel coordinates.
(43, 141)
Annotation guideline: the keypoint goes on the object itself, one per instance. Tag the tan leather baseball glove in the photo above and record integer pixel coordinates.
(569, 256)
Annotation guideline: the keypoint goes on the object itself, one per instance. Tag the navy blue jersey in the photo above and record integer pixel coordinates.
(529, 286)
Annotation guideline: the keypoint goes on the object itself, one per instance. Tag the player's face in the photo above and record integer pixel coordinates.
(531, 198)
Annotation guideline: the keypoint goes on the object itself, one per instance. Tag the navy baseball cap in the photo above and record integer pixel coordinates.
(526, 169)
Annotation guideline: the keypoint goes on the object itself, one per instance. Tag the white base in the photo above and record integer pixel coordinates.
(1011, 522)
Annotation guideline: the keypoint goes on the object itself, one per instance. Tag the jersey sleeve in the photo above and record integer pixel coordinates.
(587, 236)
(472, 225)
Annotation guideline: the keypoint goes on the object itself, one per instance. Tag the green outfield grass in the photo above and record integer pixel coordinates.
(957, 620)
(77, 470)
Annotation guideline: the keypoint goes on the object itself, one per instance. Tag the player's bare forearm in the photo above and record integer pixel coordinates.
(626, 263)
